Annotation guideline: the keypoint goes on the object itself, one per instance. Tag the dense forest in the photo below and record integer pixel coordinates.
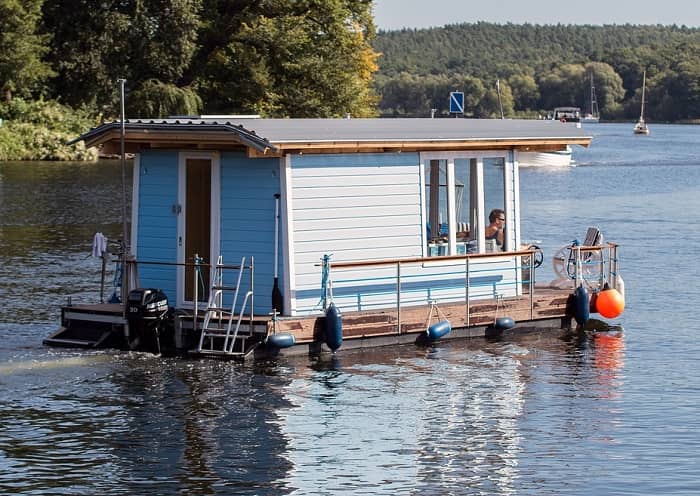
(60, 61)
(278, 57)
(540, 67)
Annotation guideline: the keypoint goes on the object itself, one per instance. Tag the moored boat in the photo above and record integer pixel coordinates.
(557, 158)
(380, 222)
(641, 126)
(592, 116)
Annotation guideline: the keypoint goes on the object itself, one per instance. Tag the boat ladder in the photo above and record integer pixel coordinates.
(222, 333)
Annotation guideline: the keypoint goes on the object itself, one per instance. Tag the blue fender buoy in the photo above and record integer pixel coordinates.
(504, 323)
(439, 329)
(334, 327)
(281, 340)
(582, 305)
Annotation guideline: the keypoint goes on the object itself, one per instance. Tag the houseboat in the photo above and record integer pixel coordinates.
(250, 237)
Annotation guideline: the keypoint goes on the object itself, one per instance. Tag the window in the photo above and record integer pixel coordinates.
(460, 191)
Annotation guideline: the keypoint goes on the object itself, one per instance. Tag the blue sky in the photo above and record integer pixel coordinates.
(395, 14)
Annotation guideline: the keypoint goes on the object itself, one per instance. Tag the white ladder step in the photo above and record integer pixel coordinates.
(221, 331)
(222, 326)
(225, 311)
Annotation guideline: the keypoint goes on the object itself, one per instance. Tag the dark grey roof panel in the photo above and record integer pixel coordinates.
(367, 130)
(264, 134)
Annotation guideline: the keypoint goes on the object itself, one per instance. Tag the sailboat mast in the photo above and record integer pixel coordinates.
(593, 112)
(644, 84)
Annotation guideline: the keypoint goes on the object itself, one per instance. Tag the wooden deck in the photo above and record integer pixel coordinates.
(547, 309)
(102, 325)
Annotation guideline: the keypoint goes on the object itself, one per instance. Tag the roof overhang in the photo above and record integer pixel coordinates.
(279, 137)
(152, 134)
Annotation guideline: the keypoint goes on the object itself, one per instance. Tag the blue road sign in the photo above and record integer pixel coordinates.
(456, 102)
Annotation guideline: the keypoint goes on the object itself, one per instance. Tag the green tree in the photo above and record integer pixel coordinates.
(474, 91)
(303, 58)
(80, 50)
(525, 91)
(144, 41)
(563, 86)
(608, 88)
(405, 95)
(22, 70)
(153, 98)
(491, 104)
(162, 38)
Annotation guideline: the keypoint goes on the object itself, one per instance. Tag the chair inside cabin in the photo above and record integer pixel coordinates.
(462, 231)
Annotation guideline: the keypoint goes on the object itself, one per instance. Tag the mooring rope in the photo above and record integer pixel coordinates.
(326, 288)
(198, 269)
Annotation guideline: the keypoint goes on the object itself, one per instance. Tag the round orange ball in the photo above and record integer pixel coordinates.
(610, 303)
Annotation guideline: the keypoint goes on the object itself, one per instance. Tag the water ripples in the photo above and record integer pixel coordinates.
(542, 413)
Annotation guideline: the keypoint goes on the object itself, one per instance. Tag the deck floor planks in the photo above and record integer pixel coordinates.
(547, 303)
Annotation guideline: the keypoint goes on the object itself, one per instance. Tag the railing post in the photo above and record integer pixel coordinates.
(579, 268)
(252, 292)
(398, 297)
(602, 279)
(196, 292)
(466, 288)
(532, 284)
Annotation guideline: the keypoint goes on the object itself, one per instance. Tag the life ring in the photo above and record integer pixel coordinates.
(563, 120)
(538, 256)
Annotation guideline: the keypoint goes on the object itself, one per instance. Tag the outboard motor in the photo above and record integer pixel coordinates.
(146, 311)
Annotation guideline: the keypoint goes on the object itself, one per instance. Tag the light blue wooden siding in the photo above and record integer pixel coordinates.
(353, 207)
(248, 187)
(157, 224)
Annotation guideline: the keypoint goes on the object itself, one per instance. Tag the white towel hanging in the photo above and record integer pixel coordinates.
(99, 245)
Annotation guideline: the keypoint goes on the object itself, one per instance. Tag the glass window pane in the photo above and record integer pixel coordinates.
(494, 201)
(465, 205)
(436, 206)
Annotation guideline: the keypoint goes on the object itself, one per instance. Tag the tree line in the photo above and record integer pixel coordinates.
(324, 58)
(539, 67)
(302, 58)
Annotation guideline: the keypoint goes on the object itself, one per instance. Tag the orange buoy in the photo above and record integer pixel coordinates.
(610, 303)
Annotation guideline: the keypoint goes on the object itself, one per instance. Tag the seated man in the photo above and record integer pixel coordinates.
(497, 221)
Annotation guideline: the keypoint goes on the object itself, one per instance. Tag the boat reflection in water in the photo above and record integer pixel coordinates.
(447, 417)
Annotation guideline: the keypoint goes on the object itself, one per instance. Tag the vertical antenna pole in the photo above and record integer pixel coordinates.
(125, 236)
(498, 91)
(124, 244)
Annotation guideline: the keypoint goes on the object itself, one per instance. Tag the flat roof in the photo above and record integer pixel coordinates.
(280, 136)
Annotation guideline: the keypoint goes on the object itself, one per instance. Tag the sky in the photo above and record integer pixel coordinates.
(396, 14)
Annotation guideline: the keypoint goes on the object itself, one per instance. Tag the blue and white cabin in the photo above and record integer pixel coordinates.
(366, 191)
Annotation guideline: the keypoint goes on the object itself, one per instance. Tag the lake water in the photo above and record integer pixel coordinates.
(540, 414)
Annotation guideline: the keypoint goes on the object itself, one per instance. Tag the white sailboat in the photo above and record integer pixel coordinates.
(641, 126)
(592, 116)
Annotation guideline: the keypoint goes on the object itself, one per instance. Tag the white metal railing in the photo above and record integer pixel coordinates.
(481, 275)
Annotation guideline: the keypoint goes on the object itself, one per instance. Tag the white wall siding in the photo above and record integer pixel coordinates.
(352, 207)
(368, 207)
